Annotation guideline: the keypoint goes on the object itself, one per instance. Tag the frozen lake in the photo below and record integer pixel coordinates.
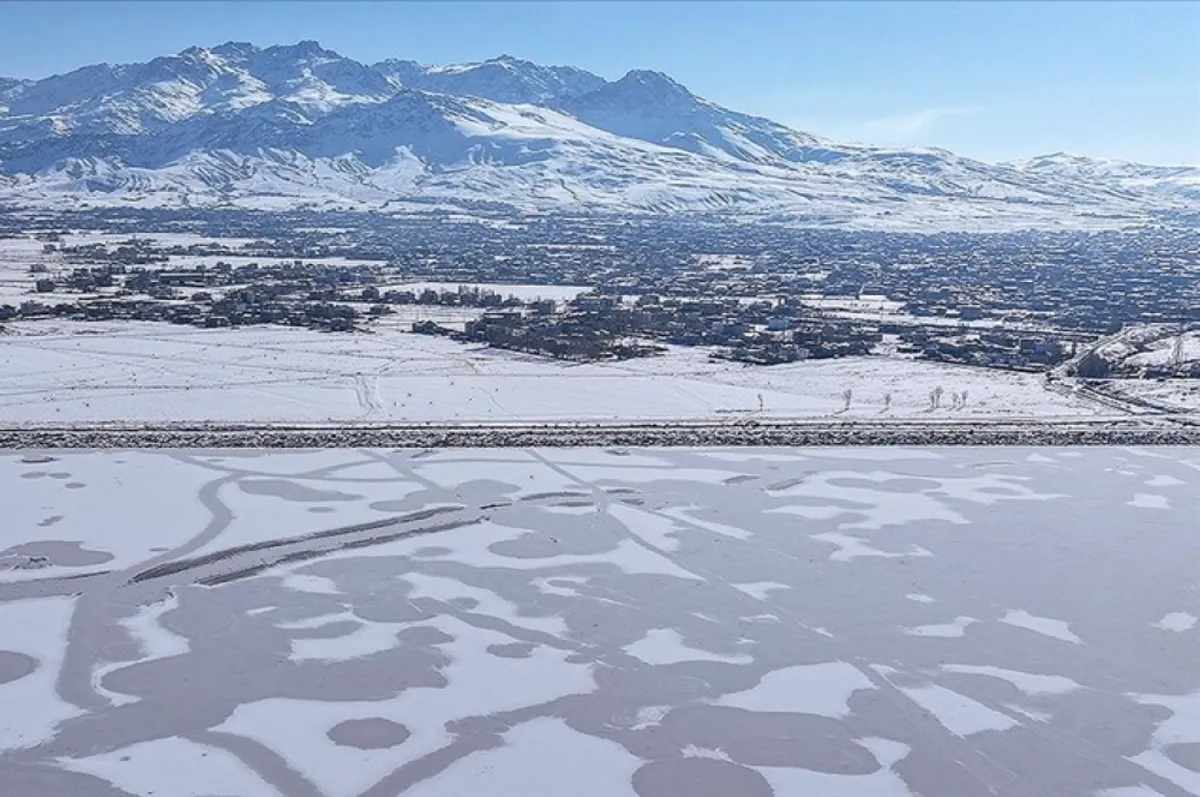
(599, 623)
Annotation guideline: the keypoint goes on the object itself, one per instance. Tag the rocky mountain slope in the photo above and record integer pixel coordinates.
(300, 125)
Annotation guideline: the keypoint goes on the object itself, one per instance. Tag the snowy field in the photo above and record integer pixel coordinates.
(64, 371)
(16, 256)
(1182, 395)
(601, 623)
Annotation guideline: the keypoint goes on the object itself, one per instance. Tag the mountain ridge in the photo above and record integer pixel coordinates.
(237, 122)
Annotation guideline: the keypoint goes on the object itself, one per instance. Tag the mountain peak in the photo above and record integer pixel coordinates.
(307, 48)
(654, 82)
(640, 89)
(504, 78)
(232, 49)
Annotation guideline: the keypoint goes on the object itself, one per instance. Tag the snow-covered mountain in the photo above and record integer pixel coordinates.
(295, 125)
(503, 79)
(1177, 180)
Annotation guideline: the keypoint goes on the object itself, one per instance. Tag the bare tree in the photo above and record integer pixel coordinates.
(847, 397)
(887, 401)
(935, 397)
(760, 402)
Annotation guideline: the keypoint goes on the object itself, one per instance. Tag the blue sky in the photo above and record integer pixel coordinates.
(990, 80)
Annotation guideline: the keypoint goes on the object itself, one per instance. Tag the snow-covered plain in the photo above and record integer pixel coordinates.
(1180, 395)
(616, 623)
(65, 371)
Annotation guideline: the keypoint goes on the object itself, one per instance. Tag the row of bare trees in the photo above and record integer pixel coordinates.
(958, 400)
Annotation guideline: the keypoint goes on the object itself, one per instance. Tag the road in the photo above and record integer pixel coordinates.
(1160, 429)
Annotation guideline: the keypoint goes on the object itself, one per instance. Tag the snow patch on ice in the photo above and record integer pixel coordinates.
(448, 589)
(651, 529)
(306, 583)
(1182, 727)
(884, 782)
(666, 646)
(1041, 625)
(32, 708)
(956, 628)
(478, 684)
(960, 715)
(538, 757)
(1163, 480)
(1029, 683)
(368, 638)
(172, 767)
(1149, 501)
(760, 589)
(686, 514)
(850, 547)
(1177, 621)
(823, 689)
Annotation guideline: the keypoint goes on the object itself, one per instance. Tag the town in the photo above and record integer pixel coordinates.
(755, 293)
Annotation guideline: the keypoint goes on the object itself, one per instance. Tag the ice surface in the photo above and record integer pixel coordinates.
(80, 497)
(540, 757)
(529, 478)
(367, 638)
(173, 767)
(687, 515)
(1181, 727)
(32, 707)
(666, 646)
(155, 641)
(359, 661)
(878, 506)
(849, 547)
(652, 529)
(961, 715)
(884, 782)
(486, 602)
(306, 583)
(478, 684)
(628, 556)
(823, 689)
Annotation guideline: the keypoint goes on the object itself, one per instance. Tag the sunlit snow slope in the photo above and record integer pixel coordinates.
(299, 125)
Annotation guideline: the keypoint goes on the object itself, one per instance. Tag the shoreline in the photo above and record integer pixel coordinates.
(637, 434)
